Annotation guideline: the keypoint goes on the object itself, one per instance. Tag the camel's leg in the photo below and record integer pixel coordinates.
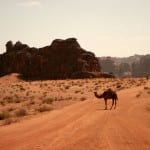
(115, 103)
(112, 103)
(105, 104)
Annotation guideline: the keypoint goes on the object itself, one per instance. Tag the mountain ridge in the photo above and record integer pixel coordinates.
(132, 66)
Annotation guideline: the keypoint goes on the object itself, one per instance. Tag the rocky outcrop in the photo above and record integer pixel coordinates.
(63, 59)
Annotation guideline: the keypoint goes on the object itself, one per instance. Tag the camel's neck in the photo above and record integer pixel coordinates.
(98, 96)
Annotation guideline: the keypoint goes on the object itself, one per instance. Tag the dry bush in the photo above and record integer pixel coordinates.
(11, 109)
(138, 84)
(67, 87)
(148, 92)
(59, 98)
(83, 98)
(27, 93)
(22, 88)
(148, 107)
(45, 84)
(69, 98)
(44, 94)
(8, 99)
(16, 100)
(4, 115)
(138, 95)
(21, 112)
(31, 102)
(77, 91)
(8, 121)
(82, 92)
(118, 85)
(80, 85)
(2, 103)
(48, 100)
(44, 108)
(146, 88)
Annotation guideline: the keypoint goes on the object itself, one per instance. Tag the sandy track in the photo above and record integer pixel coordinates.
(84, 125)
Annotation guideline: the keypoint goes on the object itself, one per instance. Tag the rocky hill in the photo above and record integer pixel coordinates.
(135, 66)
(63, 59)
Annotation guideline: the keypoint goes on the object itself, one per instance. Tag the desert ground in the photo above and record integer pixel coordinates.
(65, 114)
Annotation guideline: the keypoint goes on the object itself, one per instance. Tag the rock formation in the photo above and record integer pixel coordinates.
(135, 66)
(141, 68)
(63, 59)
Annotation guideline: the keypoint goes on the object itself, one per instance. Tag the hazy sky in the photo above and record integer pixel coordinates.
(105, 27)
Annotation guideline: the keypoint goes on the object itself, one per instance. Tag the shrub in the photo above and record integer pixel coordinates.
(83, 98)
(17, 100)
(148, 107)
(146, 88)
(31, 102)
(67, 87)
(77, 91)
(148, 92)
(2, 103)
(48, 100)
(8, 99)
(22, 88)
(21, 112)
(138, 95)
(118, 86)
(11, 108)
(4, 115)
(7, 121)
(44, 108)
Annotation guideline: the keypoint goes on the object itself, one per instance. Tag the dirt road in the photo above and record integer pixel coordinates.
(84, 126)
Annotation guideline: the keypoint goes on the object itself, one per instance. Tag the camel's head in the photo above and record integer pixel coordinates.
(95, 92)
(97, 95)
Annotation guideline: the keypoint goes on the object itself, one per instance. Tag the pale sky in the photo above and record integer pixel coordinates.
(105, 27)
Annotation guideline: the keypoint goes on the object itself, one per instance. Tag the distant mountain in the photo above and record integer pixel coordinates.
(136, 66)
(119, 60)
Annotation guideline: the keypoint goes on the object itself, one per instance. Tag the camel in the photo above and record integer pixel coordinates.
(108, 94)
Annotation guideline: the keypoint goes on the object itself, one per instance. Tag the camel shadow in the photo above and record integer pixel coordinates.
(101, 109)
(104, 109)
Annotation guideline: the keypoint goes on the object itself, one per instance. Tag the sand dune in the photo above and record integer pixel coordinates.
(86, 125)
